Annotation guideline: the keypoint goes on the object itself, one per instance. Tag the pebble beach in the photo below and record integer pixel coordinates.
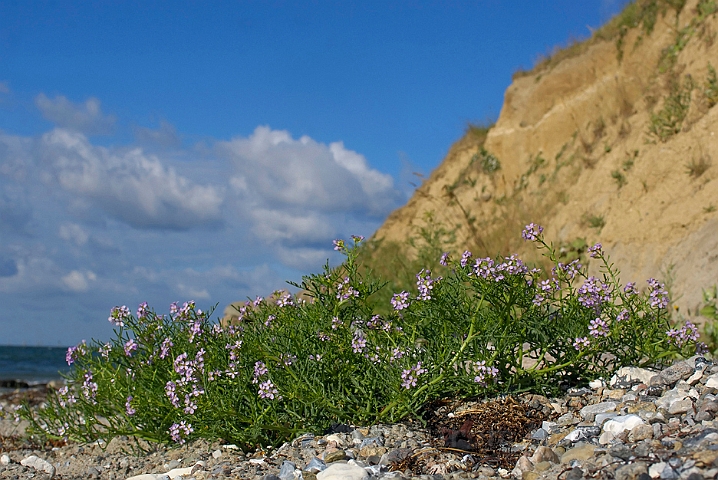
(640, 424)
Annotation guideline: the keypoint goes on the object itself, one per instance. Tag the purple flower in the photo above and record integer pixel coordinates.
(483, 372)
(622, 316)
(89, 388)
(532, 232)
(358, 342)
(285, 300)
(130, 346)
(358, 238)
(173, 308)
(409, 377)
(323, 336)
(400, 301)
(105, 350)
(339, 245)
(598, 327)
(178, 430)
(630, 289)
(118, 315)
(128, 406)
(259, 369)
(142, 310)
(171, 392)
(570, 270)
(581, 342)
(345, 290)
(658, 296)
(465, 257)
(484, 268)
(444, 258)
(165, 348)
(595, 251)
(425, 284)
(688, 332)
(336, 323)
(593, 293)
(74, 352)
(268, 390)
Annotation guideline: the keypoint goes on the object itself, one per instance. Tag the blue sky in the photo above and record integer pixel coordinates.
(168, 151)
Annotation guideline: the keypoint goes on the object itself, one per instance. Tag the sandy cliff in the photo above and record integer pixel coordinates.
(613, 143)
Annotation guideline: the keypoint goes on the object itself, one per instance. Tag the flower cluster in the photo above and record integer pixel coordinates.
(180, 430)
(679, 337)
(89, 387)
(532, 232)
(410, 376)
(658, 297)
(484, 372)
(400, 301)
(425, 284)
(594, 293)
(119, 315)
(598, 328)
(569, 271)
(581, 342)
(73, 353)
(595, 251)
(345, 290)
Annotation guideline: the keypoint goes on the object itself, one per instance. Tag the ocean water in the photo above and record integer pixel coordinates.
(32, 364)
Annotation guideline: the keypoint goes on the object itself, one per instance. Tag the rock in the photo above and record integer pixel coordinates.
(622, 422)
(544, 454)
(631, 471)
(626, 377)
(523, 465)
(670, 397)
(712, 381)
(621, 451)
(681, 406)
(677, 371)
(286, 472)
(593, 410)
(595, 384)
(343, 471)
(582, 452)
(539, 434)
(4, 460)
(38, 464)
(574, 474)
(641, 432)
(602, 417)
(315, 465)
(394, 456)
(605, 438)
(335, 456)
(370, 450)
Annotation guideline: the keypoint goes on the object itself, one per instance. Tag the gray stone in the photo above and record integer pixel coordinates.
(677, 371)
(593, 410)
(621, 451)
(286, 472)
(641, 432)
(539, 435)
(315, 465)
(335, 456)
(681, 406)
(631, 471)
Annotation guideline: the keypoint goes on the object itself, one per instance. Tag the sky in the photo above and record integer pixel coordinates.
(169, 151)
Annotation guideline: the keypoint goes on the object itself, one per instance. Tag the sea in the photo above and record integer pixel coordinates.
(32, 365)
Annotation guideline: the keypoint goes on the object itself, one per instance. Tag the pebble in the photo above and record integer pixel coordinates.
(624, 429)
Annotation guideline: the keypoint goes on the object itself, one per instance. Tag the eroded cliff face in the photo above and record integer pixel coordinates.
(614, 145)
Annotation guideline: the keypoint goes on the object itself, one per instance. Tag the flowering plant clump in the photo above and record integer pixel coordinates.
(290, 365)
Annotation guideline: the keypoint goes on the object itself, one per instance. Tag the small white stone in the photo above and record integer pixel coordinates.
(695, 378)
(632, 374)
(216, 454)
(231, 446)
(624, 422)
(336, 438)
(343, 471)
(712, 381)
(38, 464)
(4, 460)
(256, 461)
(606, 438)
(595, 384)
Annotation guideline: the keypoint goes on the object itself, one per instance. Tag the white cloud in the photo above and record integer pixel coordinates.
(193, 293)
(128, 184)
(73, 233)
(78, 281)
(307, 174)
(300, 194)
(86, 118)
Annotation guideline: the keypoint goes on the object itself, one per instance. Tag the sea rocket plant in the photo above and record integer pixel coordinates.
(287, 366)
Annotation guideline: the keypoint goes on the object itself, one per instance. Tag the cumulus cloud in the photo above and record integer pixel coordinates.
(299, 193)
(73, 233)
(130, 185)
(77, 281)
(86, 117)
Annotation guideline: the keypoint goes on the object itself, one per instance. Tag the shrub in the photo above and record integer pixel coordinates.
(291, 366)
(669, 120)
